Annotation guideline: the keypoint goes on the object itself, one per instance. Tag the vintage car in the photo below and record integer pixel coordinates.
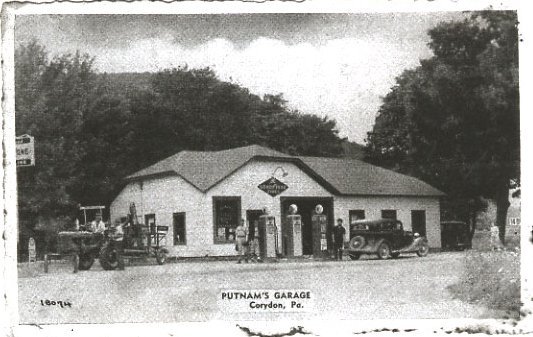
(384, 237)
(455, 235)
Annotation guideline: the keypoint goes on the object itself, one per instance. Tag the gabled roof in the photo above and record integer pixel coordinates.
(340, 176)
(355, 177)
(204, 169)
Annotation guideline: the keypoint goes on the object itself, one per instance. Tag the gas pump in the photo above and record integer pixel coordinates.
(267, 236)
(293, 232)
(319, 223)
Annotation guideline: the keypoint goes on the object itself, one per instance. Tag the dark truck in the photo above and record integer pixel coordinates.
(455, 235)
(384, 237)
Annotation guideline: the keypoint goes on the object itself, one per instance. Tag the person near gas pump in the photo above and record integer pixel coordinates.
(338, 239)
(240, 238)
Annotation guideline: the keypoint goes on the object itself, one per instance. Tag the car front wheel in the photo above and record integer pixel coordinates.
(356, 242)
(384, 251)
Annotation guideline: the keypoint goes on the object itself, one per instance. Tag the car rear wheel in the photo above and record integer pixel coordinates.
(354, 256)
(423, 249)
(384, 251)
(357, 242)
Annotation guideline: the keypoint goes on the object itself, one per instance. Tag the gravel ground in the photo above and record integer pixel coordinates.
(409, 287)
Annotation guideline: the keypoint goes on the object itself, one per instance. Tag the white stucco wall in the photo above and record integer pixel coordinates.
(403, 206)
(244, 183)
(168, 195)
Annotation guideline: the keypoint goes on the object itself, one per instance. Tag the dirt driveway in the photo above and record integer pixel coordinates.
(408, 287)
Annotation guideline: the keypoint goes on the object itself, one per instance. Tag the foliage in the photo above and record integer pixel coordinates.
(454, 120)
(491, 279)
(92, 130)
(51, 103)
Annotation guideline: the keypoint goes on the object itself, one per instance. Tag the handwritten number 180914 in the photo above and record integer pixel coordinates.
(62, 304)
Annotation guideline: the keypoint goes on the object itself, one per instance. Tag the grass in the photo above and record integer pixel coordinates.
(491, 279)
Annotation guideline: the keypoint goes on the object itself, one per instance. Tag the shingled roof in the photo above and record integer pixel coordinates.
(338, 175)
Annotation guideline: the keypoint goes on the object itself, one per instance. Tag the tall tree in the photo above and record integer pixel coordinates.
(92, 129)
(52, 98)
(454, 120)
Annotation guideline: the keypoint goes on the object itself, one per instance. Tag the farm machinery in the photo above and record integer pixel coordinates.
(110, 243)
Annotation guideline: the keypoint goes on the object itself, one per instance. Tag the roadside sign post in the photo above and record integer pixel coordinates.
(25, 146)
(32, 252)
(25, 149)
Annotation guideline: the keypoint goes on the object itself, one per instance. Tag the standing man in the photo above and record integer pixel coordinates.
(100, 225)
(338, 239)
(119, 244)
(240, 238)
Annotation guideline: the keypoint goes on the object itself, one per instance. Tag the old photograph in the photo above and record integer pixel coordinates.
(191, 167)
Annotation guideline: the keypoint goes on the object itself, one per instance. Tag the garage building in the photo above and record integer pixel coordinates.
(202, 196)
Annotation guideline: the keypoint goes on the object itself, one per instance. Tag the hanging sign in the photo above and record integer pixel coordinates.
(25, 146)
(272, 186)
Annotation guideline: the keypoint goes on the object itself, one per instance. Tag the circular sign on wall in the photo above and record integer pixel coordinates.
(293, 209)
(319, 209)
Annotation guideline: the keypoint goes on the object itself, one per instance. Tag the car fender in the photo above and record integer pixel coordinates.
(413, 246)
(419, 240)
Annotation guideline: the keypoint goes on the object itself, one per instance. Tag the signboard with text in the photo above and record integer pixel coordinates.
(272, 186)
(25, 146)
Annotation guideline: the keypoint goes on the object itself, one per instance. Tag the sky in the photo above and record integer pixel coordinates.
(335, 65)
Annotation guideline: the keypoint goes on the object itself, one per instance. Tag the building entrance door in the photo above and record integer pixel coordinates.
(252, 216)
(306, 207)
(418, 222)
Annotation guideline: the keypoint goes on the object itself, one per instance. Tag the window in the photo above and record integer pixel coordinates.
(149, 220)
(226, 217)
(388, 214)
(356, 214)
(179, 229)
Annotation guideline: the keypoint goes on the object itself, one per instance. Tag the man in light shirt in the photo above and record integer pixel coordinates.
(100, 225)
(240, 239)
(118, 238)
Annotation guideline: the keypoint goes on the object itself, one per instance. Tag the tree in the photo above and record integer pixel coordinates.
(52, 99)
(454, 120)
(92, 130)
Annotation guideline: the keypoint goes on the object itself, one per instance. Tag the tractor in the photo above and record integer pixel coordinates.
(139, 241)
(91, 239)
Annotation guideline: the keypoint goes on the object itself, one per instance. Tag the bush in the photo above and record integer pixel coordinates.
(491, 279)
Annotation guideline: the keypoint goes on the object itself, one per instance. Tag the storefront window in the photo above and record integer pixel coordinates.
(389, 214)
(226, 215)
(356, 214)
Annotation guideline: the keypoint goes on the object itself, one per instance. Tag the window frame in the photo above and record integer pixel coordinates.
(353, 212)
(389, 210)
(216, 199)
(184, 242)
(150, 229)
